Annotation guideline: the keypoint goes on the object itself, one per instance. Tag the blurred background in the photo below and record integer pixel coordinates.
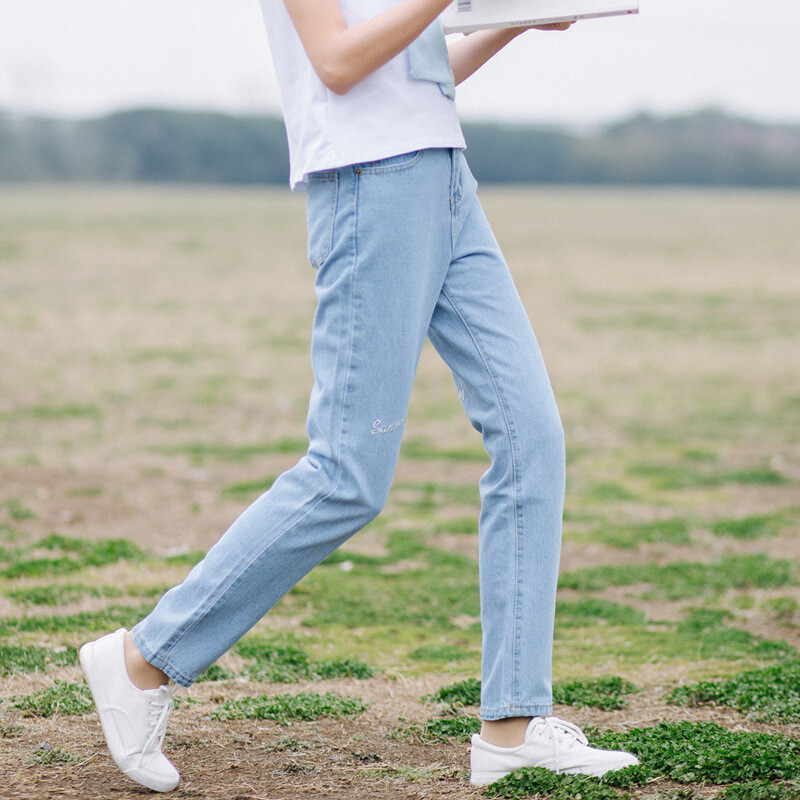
(684, 93)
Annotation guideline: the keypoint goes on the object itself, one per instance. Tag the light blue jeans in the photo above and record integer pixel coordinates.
(402, 250)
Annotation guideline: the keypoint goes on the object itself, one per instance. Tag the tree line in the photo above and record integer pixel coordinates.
(707, 147)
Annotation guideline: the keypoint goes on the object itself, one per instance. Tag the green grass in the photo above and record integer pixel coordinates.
(755, 766)
(285, 708)
(287, 663)
(70, 555)
(86, 491)
(23, 659)
(15, 510)
(540, 782)
(769, 694)
(248, 489)
(683, 579)
(460, 693)
(603, 693)
(591, 610)
(682, 315)
(83, 622)
(464, 525)
(458, 729)
(692, 752)
(673, 531)
(53, 755)
(608, 492)
(606, 693)
(213, 391)
(783, 610)
(274, 662)
(8, 533)
(694, 476)
(580, 649)
(436, 587)
(216, 673)
(184, 559)
(61, 699)
(442, 588)
(432, 495)
(714, 639)
(761, 790)
(199, 452)
(54, 412)
(425, 450)
(440, 652)
(60, 594)
(751, 527)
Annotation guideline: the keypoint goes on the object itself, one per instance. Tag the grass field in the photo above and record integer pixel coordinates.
(154, 372)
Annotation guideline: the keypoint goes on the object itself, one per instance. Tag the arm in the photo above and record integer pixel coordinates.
(469, 54)
(342, 56)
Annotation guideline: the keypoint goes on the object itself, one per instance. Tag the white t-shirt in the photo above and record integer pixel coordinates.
(385, 115)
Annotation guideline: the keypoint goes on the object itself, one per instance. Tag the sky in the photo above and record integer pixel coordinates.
(82, 58)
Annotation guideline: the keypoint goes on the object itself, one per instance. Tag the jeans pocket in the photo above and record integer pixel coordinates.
(392, 164)
(320, 214)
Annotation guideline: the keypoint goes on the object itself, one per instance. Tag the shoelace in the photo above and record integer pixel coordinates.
(561, 732)
(158, 712)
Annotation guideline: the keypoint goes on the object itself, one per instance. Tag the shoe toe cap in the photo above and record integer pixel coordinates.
(160, 780)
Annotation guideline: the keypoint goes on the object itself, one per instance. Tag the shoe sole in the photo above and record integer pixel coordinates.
(137, 774)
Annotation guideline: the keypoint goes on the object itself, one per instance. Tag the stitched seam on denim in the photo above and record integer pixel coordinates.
(500, 712)
(352, 328)
(338, 453)
(455, 177)
(452, 203)
(512, 443)
(333, 203)
(401, 167)
(457, 169)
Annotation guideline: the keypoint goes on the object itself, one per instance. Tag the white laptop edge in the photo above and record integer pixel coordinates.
(510, 14)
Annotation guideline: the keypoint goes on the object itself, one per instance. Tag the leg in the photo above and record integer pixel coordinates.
(483, 333)
(377, 288)
(142, 673)
(380, 236)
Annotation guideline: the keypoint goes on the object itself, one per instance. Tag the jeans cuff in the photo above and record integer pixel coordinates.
(159, 663)
(491, 714)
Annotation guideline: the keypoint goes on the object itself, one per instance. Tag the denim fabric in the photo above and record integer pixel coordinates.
(402, 251)
(428, 59)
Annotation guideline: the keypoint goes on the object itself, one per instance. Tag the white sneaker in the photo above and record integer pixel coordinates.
(134, 721)
(550, 743)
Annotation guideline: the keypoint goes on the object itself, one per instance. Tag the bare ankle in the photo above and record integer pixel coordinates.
(143, 675)
(507, 732)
